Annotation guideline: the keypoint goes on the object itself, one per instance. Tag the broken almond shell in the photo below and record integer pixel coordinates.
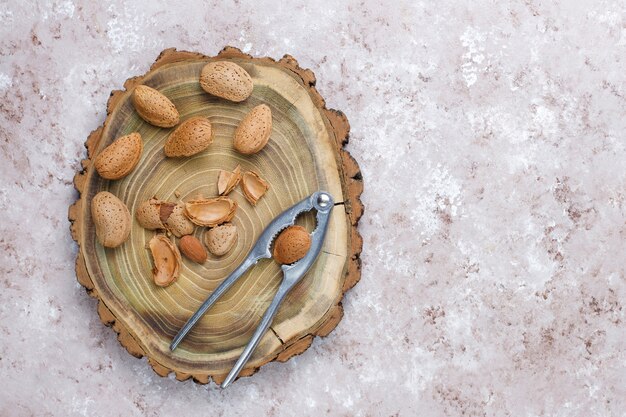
(210, 211)
(227, 180)
(178, 223)
(165, 210)
(253, 187)
(166, 259)
(148, 214)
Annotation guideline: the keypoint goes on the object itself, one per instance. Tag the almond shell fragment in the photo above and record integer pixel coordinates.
(227, 180)
(254, 187)
(166, 259)
(178, 223)
(210, 212)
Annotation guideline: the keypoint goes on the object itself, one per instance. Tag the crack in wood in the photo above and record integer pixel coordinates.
(334, 254)
(277, 336)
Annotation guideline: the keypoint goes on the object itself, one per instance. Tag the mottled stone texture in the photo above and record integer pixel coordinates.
(491, 139)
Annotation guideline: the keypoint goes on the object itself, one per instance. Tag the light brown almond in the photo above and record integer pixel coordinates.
(192, 248)
(227, 180)
(254, 131)
(191, 137)
(111, 219)
(291, 245)
(221, 239)
(210, 211)
(154, 107)
(254, 187)
(227, 80)
(119, 158)
(166, 259)
(147, 214)
(178, 223)
(165, 210)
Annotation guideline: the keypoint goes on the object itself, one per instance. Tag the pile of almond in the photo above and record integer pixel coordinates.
(110, 215)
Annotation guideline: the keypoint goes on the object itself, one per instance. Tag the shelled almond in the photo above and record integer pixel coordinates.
(192, 248)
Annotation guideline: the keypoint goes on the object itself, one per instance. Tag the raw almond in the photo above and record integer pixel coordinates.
(178, 223)
(111, 218)
(291, 245)
(119, 158)
(226, 80)
(221, 239)
(254, 130)
(154, 107)
(165, 210)
(227, 181)
(253, 187)
(210, 211)
(192, 248)
(192, 136)
(166, 259)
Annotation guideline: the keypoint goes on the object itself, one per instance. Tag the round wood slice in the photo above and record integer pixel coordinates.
(304, 154)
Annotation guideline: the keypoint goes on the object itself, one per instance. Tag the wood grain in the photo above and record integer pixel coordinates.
(305, 153)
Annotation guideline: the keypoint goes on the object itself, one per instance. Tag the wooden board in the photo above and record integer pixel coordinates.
(305, 153)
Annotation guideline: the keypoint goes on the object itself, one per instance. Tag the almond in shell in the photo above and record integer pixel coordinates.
(210, 211)
(111, 219)
(192, 248)
(221, 239)
(119, 158)
(254, 187)
(166, 259)
(254, 130)
(291, 245)
(227, 80)
(153, 213)
(154, 107)
(191, 137)
(227, 181)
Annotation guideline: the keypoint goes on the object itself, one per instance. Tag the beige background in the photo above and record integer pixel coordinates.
(492, 144)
